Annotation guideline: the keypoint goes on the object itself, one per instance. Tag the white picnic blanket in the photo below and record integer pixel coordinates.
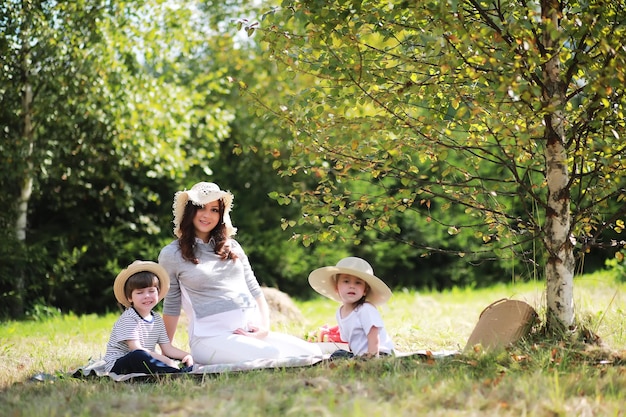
(96, 367)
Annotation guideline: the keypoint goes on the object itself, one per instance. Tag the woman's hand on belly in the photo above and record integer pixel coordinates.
(253, 331)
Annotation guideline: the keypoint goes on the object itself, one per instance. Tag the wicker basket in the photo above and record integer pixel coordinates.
(501, 324)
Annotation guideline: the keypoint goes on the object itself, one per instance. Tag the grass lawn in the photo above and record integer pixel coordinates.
(538, 378)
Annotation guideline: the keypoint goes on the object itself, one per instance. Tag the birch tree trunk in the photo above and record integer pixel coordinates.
(27, 181)
(26, 186)
(560, 263)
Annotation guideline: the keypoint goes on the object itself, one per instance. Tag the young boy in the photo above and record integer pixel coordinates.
(131, 346)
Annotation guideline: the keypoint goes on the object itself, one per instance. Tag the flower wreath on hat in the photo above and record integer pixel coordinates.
(200, 194)
(323, 280)
(132, 269)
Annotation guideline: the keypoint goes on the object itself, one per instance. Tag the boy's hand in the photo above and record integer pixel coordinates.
(187, 360)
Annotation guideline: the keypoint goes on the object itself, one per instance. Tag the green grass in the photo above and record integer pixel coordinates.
(539, 378)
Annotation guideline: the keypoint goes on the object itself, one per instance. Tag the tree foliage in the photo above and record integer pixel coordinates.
(511, 112)
(411, 134)
(113, 122)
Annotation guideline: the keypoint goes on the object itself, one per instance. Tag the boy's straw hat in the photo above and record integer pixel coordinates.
(200, 194)
(323, 280)
(140, 266)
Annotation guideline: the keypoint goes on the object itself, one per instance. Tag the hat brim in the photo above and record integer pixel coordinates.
(322, 280)
(181, 198)
(140, 266)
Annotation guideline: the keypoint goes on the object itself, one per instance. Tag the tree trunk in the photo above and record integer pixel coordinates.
(27, 183)
(560, 263)
(28, 140)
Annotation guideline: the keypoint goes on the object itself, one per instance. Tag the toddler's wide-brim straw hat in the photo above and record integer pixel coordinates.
(323, 280)
(140, 266)
(200, 194)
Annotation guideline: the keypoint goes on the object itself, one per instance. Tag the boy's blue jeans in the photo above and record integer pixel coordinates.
(140, 361)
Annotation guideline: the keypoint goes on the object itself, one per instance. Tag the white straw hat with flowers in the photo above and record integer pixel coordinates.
(200, 194)
(140, 266)
(323, 280)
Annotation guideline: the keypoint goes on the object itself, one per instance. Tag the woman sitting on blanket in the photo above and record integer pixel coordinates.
(212, 280)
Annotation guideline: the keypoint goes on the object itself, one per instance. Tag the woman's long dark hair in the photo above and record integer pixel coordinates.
(187, 240)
